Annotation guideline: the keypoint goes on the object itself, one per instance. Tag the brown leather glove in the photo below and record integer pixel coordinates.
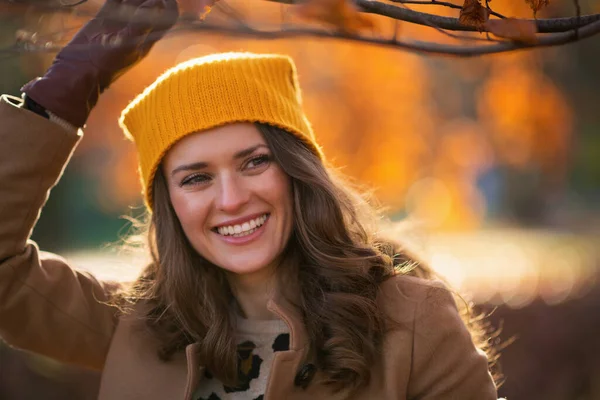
(119, 36)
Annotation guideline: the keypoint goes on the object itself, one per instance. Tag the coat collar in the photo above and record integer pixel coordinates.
(194, 370)
(282, 307)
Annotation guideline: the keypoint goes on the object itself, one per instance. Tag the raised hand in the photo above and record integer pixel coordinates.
(119, 36)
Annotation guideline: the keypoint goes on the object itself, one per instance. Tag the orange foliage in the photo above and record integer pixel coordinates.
(392, 119)
(528, 118)
(341, 14)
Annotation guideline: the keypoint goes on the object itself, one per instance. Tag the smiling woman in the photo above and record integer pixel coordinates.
(269, 278)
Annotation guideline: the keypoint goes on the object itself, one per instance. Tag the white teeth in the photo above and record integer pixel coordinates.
(244, 233)
(244, 229)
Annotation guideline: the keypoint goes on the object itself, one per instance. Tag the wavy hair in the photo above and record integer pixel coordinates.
(334, 259)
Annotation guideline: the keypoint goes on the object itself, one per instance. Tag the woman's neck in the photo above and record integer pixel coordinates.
(252, 293)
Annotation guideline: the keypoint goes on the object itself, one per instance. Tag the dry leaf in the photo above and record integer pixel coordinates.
(537, 5)
(474, 14)
(342, 14)
(195, 9)
(519, 30)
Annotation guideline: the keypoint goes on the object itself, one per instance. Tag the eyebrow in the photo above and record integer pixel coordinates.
(200, 164)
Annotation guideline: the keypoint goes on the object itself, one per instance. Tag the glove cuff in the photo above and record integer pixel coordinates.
(66, 91)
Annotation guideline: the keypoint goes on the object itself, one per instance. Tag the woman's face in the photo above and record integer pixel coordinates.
(232, 200)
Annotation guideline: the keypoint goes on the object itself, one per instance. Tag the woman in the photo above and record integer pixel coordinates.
(268, 279)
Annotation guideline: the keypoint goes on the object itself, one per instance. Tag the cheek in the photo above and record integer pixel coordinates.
(190, 210)
(280, 192)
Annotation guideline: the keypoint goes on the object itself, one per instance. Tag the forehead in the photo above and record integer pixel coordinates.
(214, 144)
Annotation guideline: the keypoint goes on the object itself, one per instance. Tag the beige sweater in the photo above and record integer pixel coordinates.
(258, 341)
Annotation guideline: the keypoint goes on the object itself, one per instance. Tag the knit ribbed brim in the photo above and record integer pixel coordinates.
(210, 91)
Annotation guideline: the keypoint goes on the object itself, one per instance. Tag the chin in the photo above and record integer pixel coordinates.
(244, 266)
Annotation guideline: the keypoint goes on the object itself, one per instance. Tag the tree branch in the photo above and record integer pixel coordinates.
(550, 25)
(414, 46)
(589, 25)
(441, 3)
(554, 39)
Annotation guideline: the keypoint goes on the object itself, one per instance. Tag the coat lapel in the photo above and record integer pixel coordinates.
(286, 364)
(195, 371)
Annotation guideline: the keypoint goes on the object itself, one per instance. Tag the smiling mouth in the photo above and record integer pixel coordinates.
(240, 230)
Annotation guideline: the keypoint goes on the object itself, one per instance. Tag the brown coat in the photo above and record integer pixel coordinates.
(50, 308)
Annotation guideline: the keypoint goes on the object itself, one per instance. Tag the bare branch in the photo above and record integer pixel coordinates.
(442, 3)
(578, 11)
(414, 46)
(581, 27)
(550, 25)
(549, 40)
(424, 21)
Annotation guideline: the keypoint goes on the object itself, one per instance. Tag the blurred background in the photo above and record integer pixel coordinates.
(490, 166)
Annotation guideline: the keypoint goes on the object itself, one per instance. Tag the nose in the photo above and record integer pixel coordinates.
(233, 194)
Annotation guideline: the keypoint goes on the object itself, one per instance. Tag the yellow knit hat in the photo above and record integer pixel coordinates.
(209, 91)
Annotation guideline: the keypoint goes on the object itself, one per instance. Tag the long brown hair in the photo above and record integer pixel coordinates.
(334, 258)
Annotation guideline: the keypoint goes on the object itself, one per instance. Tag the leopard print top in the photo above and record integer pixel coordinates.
(258, 341)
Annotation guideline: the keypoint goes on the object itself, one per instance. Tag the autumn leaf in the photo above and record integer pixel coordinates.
(342, 14)
(474, 14)
(195, 9)
(537, 5)
(519, 30)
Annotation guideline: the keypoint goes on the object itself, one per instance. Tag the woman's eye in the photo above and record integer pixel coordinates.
(195, 180)
(258, 161)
